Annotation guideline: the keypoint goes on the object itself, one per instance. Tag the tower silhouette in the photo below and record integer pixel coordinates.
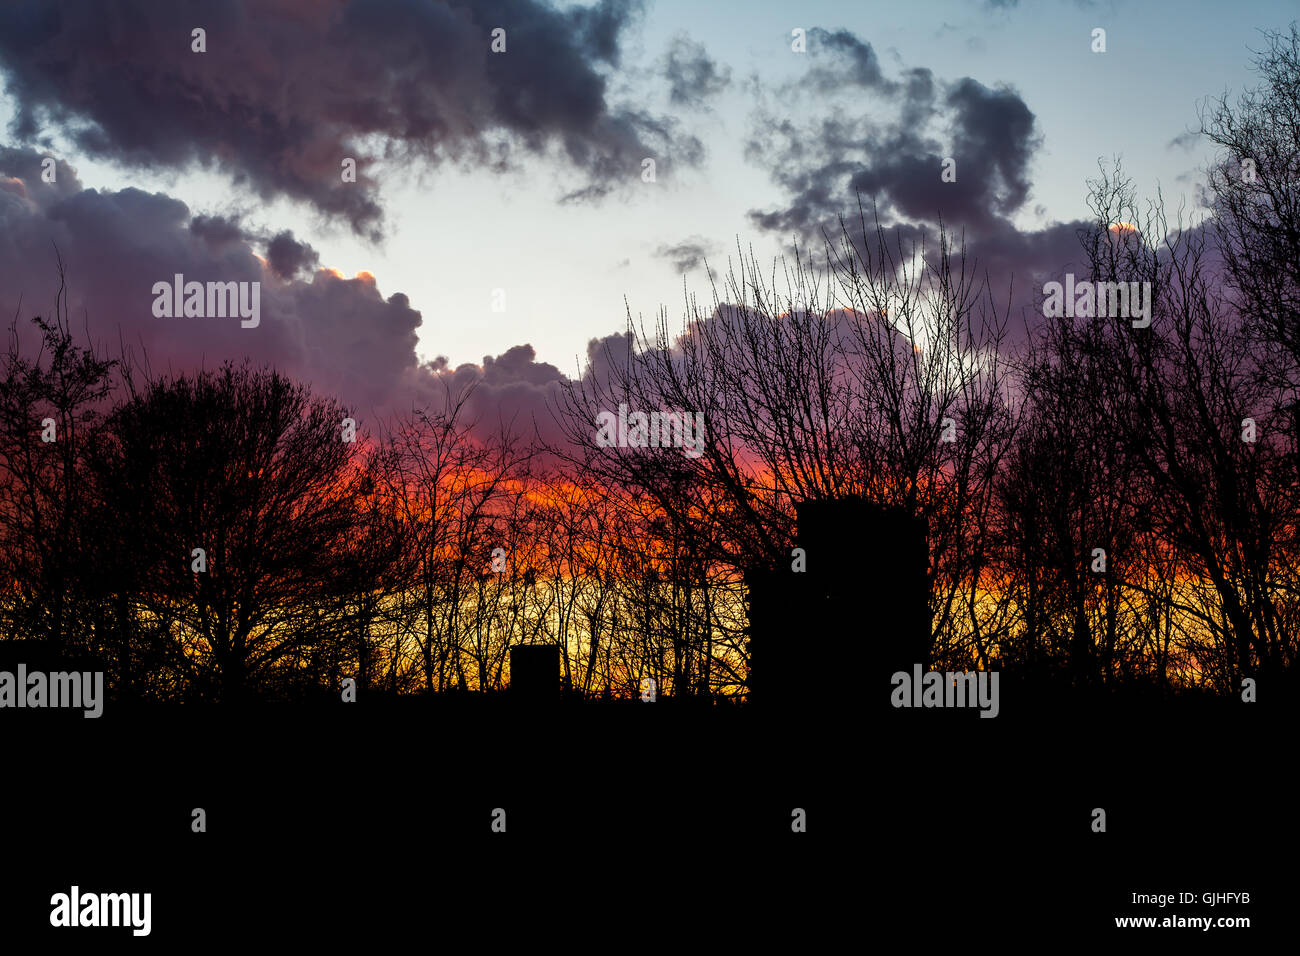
(822, 638)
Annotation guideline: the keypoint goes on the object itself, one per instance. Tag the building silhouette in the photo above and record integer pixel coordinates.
(822, 638)
(535, 672)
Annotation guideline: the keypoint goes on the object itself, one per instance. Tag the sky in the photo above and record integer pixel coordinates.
(501, 220)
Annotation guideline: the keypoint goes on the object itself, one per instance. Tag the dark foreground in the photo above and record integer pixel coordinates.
(646, 825)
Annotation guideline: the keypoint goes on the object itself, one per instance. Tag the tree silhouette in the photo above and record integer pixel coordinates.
(250, 469)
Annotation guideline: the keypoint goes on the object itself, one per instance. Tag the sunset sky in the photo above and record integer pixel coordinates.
(522, 171)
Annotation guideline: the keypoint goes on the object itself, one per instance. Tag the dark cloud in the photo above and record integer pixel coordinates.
(287, 257)
(692, 75)
(519, 365)
(897, 161)
(513, 390)
(1016, 263)
(288, 89)
(687, 254)
(993, 134)
(607, 355)
(601, 25)
(217, 230)
(341, 335)
(29, 168)
(853, 62)
(1184, 141)
(887, 141)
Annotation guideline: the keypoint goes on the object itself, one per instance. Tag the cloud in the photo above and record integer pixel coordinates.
(692, 75)
(217, 230)
(687, 254)
(286, 90)
(853, 62)
(886, 140)
(994, 131)
(341, 335)
(1185, 141)
(287, 257)
(1013, 4)
(513, 390)
(896, 161)
(29, 167)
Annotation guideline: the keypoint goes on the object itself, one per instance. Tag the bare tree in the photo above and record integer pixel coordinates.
(50, 405)
(835, 381)
(447, 485)
(241, 510)
(1254, 192)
